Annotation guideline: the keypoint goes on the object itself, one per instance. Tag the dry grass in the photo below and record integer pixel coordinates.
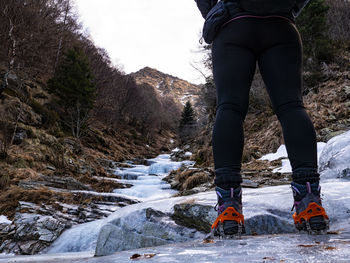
(182, 176)
(195, 180)
(9, 199)
(102, 186)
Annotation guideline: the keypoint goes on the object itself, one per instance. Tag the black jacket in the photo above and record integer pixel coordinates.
(204, 7)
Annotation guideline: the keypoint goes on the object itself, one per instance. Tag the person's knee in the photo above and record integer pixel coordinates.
(236, 108)
(285, 108)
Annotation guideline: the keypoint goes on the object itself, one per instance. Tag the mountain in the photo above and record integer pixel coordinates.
(168, 85)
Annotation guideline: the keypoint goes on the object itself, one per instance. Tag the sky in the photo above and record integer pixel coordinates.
(161, 34)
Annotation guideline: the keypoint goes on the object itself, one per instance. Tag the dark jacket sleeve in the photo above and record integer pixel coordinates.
(204, 6)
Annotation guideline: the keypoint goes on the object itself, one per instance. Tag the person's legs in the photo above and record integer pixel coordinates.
(280, 65)
(233, 68)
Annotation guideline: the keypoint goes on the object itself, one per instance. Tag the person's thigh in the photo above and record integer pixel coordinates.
(280, 65)
(234, 66)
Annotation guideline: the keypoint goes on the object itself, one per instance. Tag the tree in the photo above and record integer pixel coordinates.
(74, 86)
(188, 123)
(187, 115)
(312, 24)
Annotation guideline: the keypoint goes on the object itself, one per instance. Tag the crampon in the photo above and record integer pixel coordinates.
(234, 219)
(230, 220)
(310, 216)
(313, 219)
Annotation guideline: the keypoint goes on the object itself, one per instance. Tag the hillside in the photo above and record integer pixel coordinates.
(167, 85)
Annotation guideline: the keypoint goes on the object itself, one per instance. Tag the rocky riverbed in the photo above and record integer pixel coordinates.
(157, 217)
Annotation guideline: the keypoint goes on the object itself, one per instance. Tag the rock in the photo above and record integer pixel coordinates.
(50, 168)
(199, 189)
(19, 137)
(180, 155)
(32, 233)
(201, 218)
(345, 93)
(55, 181)
(195, 216)
(268, 224)
(140, 161)
(12, 76)
(124, 165)
(249, 184)
(108, 163)
(144, 228)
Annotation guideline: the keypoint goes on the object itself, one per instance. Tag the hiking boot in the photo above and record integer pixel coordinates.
(230, 220)
(310, 216)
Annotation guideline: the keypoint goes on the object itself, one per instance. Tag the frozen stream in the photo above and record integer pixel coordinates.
(147, 180)
(261, 207)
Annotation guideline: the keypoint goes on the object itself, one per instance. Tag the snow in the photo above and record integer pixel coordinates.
(188, 154)
(282, 154)
(4, 220)
(286, 167)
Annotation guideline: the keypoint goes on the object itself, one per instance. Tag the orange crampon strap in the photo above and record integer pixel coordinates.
(228, 215)
(312, 210)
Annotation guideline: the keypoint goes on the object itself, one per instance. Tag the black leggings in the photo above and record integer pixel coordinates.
(276, 45)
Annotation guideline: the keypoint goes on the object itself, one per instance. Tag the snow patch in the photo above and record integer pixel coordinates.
(282, 154)
(4, 220)
(188, 154)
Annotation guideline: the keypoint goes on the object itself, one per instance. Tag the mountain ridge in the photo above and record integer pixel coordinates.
(168, 85)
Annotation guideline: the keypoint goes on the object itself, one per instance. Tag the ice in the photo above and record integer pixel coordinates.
(163, 167)
(4, 220)
(147, 191)
(276, 201)
(291, 248)
(335, 158)
(257, 203)
(147, 180)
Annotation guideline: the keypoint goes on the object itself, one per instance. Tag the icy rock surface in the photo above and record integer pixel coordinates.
(145, 228)
(291, 248)
(266, 210)
(335, 158)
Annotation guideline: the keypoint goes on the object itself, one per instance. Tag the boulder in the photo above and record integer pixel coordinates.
(145, 228)
(195, 216)
(20, 136)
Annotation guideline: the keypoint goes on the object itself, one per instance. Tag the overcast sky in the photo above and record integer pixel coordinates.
(161, 34)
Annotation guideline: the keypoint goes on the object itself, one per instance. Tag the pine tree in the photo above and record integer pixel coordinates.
(312, 24)
(187, 115)
(73, 81)
(74, 86)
